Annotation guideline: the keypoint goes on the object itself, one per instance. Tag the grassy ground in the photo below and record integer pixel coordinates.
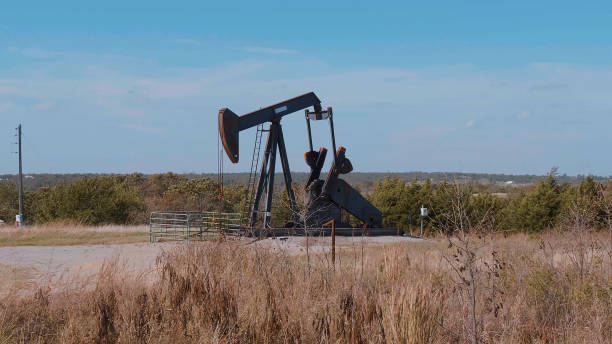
(63, 239)
(556, 288)
(60, 235)
(15, 276)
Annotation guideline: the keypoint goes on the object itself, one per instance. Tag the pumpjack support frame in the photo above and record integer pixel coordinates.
(327, 198)
(266, 176)
(230, 125)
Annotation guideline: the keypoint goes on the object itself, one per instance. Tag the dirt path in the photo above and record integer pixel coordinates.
(25, 266)
(22, 266)
(297, 245)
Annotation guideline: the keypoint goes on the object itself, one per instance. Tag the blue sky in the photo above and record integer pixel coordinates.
(472, 87)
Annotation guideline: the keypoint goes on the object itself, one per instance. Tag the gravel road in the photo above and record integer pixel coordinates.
(23, 266)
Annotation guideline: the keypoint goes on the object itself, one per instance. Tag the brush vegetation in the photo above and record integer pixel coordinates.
(549, 289)
(129, 199)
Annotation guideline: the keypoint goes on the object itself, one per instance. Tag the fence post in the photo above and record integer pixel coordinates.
(333, 240)
(188, 227)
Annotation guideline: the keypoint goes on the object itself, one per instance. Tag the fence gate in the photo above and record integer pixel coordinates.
(186, 226)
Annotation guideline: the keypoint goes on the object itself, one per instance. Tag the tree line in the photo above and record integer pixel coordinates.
(364, 180)
(547, 204)
(117, 199)
(129, 199)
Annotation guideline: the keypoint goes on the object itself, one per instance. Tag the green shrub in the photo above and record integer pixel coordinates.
(537, 209)
(9, 201)
(91, 200)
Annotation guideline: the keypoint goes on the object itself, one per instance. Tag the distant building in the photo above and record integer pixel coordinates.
(2, 223)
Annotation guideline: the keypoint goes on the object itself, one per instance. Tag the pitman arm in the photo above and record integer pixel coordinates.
(345, 196)
(230, 124)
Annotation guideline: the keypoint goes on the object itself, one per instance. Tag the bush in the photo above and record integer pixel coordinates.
(9, 202)
(537, 209)
(391, 197)
(91, 200)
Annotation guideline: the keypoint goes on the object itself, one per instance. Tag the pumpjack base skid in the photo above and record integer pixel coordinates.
(351, 232)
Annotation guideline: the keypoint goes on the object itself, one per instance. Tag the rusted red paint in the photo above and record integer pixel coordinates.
(228, 130)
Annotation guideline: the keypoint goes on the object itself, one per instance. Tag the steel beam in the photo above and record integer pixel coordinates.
(287, 174)
(272, 166)
(262, 181)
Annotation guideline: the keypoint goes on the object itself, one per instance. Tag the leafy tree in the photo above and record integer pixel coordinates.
(97, 200)
(391, 197)
(606, 206)
(157, 184)
(584, 204)
(193, 195)
(234, 198)
(281, 210)
(485, 204)
(539, 207)
(9, 201)
(450, 198)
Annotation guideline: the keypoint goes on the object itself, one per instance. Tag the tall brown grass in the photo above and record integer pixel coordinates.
(228, 292)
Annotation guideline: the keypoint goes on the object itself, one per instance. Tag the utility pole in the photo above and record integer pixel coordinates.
(20, 179)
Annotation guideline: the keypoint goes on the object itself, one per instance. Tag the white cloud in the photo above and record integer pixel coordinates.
(268, 50)
(407, 99)
(43, 106)
(34, 53)
(524, 115)
(5, 107)
(144, 129)
(188, 41)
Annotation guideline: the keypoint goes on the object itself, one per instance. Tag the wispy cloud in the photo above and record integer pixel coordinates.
(5, 107)
(144, 129)
(43, 106)
(524, 115)
(408, 98)
(268, 50)
(188, 41)
(34, 53)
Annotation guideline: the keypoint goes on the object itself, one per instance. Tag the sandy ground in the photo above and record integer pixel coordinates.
(297, 245)
(55, 266)
(25, 266)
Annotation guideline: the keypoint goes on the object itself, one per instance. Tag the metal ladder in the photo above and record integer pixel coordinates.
(253, 173)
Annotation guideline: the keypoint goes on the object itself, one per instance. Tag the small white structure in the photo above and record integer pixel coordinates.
(2, 223)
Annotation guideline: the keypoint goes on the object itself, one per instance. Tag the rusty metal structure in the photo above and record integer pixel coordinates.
(326, 198)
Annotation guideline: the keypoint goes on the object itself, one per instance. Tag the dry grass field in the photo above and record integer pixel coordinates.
(57, 234)
(554, 288)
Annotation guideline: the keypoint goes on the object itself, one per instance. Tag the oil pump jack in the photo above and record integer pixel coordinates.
(327, 198)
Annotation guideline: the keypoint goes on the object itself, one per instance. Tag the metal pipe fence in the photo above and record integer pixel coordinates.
(191, 225)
